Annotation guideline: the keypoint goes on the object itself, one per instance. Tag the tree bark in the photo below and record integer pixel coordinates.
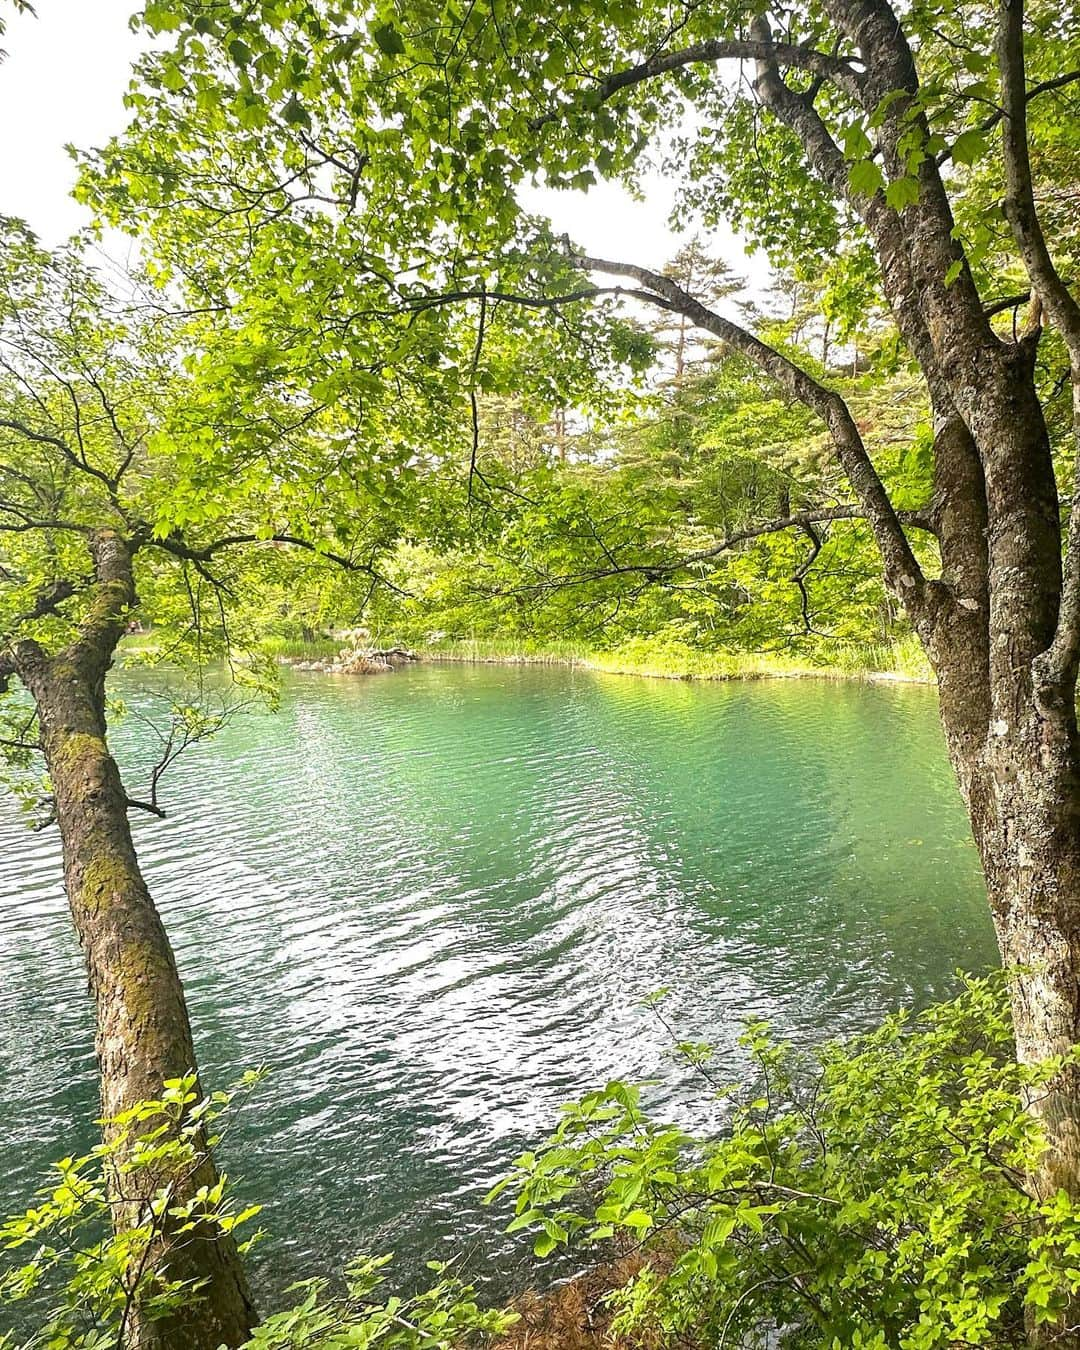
(143, 1031)
(1031, 857)
(1013, 743)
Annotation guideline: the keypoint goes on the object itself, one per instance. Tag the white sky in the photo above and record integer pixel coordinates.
(64, 80)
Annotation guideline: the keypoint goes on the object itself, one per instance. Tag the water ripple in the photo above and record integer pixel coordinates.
(433, 902)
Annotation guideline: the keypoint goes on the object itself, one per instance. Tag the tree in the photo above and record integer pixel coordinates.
(121, 472)
(178, 457)
(80, 392)
(710, 279)
(881, 134)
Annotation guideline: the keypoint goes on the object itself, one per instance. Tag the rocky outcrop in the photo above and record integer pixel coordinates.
(361, 661)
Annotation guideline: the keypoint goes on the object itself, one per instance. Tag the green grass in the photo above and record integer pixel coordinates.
(140, 643)
(667, 659)
(657, 657)
(509, 650)
(296, 649)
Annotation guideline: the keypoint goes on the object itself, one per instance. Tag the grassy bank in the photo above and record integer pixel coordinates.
(900, 660)
(659, 659)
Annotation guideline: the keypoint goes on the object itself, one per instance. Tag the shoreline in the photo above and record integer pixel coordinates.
(686, 665)
(831, 673)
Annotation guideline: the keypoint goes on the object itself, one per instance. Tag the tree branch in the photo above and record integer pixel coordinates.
(656, 569)
(1058, 666)
(926, 224)
(58, 443)
(176, 546)
(801, 520)
(48, 601)
(1043, 87)
(837, 69)
(902, 571)
(135, 805)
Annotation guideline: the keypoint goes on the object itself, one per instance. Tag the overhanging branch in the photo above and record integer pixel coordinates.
(902, 571)
(180, 549)
(658, 569)
(828, 66)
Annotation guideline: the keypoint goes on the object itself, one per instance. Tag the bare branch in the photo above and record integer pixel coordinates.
(150, 807)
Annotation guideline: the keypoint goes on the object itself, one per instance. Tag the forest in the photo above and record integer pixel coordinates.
(542, 780)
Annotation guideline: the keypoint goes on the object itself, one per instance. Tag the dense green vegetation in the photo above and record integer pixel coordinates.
(586, 539)
(872, 1196)
(350, 381)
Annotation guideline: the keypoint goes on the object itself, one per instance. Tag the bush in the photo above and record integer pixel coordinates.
(869, 1195)
(82, 1278)
(94, 1273)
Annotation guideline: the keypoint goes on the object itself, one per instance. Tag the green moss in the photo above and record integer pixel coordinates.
(78, 746)
(137, 964)
(105, 874)
(103, 880)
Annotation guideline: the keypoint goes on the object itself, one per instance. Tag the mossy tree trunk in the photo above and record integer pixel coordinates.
(143, 1031)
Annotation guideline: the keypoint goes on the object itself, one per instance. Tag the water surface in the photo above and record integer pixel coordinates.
(433, 901)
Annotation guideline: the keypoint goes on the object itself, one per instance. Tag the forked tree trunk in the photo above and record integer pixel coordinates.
(143, 1031)
(1026, 821)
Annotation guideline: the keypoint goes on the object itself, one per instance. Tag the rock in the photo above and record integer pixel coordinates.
(360, 660)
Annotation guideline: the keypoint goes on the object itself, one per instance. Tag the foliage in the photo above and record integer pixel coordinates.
(343, 179)
(93, 1275)
(251, 124)
(616, 543)
(872, 1194)
(443, 1316)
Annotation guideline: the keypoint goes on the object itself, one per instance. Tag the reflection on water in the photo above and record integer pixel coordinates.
(433, 901)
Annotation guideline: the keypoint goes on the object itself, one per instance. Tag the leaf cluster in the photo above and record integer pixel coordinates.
(872, 1194)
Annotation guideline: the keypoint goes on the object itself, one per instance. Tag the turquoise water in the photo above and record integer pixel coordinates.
(433, 901)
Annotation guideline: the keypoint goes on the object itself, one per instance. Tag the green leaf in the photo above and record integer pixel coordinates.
(902, 192)
(968, 147)
(388, 39)
(866, 178)
(240, 52)
(295, 113)
(525, 1220)
(857, 144)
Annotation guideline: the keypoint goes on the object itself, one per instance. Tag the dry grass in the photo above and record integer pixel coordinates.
(575, 1315)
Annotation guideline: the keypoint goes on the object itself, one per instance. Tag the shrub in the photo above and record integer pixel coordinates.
(86, 1273)
(869, 1195)
(82, 1278)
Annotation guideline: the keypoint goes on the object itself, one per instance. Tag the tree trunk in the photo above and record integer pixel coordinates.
(1019, 783)
(1030, 844)
(143, 1032)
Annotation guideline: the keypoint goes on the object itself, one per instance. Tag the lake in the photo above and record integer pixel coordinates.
(433, 901)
